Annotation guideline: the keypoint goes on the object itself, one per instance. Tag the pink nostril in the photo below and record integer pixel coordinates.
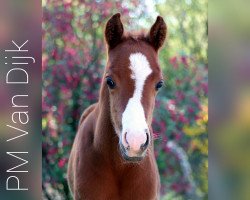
(144, 146)
(125, 138)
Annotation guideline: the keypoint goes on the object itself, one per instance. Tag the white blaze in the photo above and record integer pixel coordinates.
(133, 118)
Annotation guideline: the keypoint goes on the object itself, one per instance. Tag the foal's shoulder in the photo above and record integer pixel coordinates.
(86, 113)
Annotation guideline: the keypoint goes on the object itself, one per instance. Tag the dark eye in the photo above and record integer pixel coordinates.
(110, 82)
(159, 85)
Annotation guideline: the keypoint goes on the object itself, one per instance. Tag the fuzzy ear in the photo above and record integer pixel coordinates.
(114, 31)
(158, 33)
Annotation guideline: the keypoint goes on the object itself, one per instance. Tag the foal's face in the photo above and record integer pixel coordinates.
(133, 77)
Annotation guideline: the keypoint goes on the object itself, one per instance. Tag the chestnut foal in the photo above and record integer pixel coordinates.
(112, 157)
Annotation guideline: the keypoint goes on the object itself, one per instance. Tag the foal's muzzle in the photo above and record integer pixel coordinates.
(133, 147)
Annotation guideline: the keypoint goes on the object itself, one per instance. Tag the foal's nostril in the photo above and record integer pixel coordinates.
(144, 146)
(125, 138)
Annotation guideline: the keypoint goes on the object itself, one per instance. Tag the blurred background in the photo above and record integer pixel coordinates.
(73, 60)
(229, 100)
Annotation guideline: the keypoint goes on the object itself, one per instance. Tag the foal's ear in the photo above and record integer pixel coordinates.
(158, 33)
(114, 31)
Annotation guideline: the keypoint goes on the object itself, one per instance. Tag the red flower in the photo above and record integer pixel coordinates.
(173, 61)
(183, 119)
(184, 60)
(62, 162)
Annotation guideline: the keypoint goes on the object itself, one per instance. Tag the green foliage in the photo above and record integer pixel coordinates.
(171, 196)
(188, 27)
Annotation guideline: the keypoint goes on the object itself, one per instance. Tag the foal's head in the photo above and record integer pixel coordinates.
(133, 77)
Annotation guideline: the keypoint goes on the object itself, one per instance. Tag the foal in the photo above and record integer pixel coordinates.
(112, 157)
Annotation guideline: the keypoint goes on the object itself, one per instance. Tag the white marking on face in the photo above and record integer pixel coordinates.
(133, 118)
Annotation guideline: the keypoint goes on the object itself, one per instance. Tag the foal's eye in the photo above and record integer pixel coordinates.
(110, 82)
(159, 85)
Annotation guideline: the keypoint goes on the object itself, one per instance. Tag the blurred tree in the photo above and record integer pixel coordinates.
(188, 27)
